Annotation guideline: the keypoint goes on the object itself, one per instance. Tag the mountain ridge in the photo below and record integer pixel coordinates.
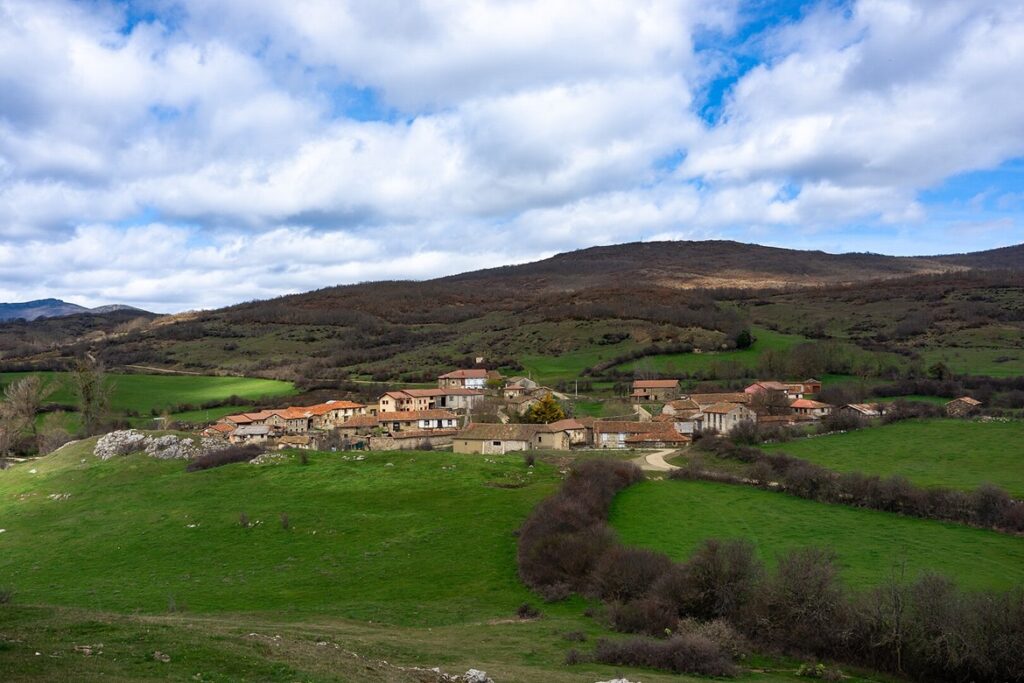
(55, 308)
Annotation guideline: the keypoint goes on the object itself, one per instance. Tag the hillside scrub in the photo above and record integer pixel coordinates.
(927, 629)
(988, 506)
(226, 456)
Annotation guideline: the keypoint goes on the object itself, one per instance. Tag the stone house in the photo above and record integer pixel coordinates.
(417, 420)
(635, 434)
(252, 433)
(963, 406)
(805, 406)
(655, 389)
(863, 409)
(494, 439)
(724, 417)
(474, 378)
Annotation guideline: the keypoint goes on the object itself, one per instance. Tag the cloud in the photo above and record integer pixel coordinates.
(225, 150)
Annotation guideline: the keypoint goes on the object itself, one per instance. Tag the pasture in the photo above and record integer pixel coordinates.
(956, 453)
(144, 393)
(676, 516)
(399, 559)
(669, 364)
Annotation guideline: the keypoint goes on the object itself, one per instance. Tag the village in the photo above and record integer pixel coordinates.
(479, 411)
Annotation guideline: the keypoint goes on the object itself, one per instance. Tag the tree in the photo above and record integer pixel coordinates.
(93, 393)
(939, 371)
(744, 340)
(545, 411)
(770, 402)
(23, 401)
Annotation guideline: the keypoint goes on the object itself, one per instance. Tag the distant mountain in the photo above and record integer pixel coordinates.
(55, 308)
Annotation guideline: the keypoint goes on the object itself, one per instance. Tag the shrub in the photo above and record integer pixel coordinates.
(683, 653)
(574, 636)
(528, 611)
(718, 581)
(243, 520)
(623, 574)
(644, 615)
(529, 459)
(285, 522)
(225, 456)
(6, 595)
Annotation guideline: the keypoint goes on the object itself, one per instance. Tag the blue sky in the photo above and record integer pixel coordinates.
(178, 154)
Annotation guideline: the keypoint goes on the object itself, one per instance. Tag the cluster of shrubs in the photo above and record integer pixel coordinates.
(703, 615)
(224, 456)
(987, 506)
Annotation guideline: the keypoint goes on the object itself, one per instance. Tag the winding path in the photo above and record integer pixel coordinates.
(655, 462)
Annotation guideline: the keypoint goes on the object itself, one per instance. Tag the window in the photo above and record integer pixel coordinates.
(495, 443)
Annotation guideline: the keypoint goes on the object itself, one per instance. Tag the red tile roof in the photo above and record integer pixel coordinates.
(655, 383)
(473, 373)
(807, 403)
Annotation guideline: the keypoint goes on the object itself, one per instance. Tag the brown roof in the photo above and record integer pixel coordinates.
(667, 434)
(568, 423)
(684, 404)
(771, 385)
(865, 408)
(360, 421)
(626, 427)
(655, 383)
(473, 373)
(725, 397)
(968, 400)
(486, 431)
(722, 408)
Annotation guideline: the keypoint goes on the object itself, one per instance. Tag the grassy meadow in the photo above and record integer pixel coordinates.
(955, 453)
(676, 516)
(400, 559)
(144, 393)
(764, 340)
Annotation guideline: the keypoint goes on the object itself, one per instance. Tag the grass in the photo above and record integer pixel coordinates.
(147, 392)
(1007, 361)
(676, 516)
(956, 453)
(382, 566)
(765, 340)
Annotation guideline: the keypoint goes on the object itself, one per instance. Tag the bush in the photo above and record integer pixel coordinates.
(717, 582)
(623, 574)
(644, 615)
(225, 456)
(574, 636)
(683, 653)
(528, 611)
(6, 595)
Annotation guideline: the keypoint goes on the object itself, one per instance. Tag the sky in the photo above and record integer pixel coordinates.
(185, 154)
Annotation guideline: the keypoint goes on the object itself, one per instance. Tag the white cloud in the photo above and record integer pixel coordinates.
(224, 152)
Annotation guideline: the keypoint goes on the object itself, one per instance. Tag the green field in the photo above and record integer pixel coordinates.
(764, 340)
(956, 453)
(676, 516)
(144, 393)
(993, 362)
(403, 558)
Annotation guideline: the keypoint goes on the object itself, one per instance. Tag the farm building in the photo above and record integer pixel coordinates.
(705, 400)
(474, 378)
(655, 389)
(632, 434)
(963, 406)
(724, 417)
(863, 409)
(245, 434)
(494, 439)
(414, 420)
(429, 399)
(805, 406)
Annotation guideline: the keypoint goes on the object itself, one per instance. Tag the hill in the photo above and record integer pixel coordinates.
(55, 308)
(585, 307)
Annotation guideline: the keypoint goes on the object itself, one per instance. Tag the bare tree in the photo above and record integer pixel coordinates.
(23, 401)
(770, 402)
(93, 392)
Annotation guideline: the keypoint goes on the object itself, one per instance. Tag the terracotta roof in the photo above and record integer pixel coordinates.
(485, 431)
(221, 427)
(725, 397)
(808, 403)
(722, 408)
(770, 385)
(655, 383)
(568, 423)
(667, 434)
(474, 373)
